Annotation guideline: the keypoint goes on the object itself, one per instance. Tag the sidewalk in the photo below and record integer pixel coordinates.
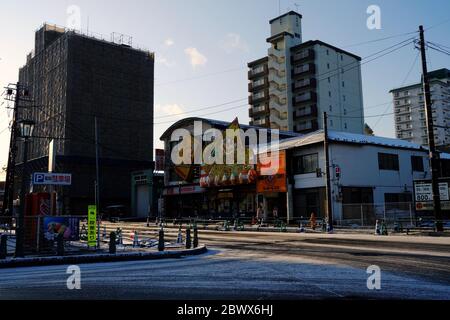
(99, 257)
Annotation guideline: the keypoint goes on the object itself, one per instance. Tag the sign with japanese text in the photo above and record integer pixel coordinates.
(92, 226)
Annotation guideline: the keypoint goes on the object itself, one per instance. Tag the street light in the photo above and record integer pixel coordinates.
(26, 131)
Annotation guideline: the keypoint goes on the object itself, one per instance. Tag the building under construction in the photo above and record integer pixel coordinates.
(74, 79)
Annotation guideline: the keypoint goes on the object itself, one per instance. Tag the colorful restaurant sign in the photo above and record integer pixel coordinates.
(272, 183)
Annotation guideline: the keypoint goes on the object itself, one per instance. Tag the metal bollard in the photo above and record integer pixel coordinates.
(195, 237)
(161, 240)
(188, 238)
(60, 244)
(3, 246)
(112, 243)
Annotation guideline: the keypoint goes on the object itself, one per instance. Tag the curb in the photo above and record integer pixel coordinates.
(99, 258)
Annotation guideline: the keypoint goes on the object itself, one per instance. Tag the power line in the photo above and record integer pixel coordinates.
(403, 83)
(207, 114)
(200, 77)
(380, 39)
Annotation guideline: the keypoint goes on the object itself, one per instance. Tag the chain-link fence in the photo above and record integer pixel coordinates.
(367, 214)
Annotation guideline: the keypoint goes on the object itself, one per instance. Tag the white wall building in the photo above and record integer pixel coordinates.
(410, 119)
(374, 172)
(292, 87)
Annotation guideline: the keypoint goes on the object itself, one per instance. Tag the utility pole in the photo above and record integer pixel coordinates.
(97, 184)
(434, 156)
(11, 167)
(328, 175)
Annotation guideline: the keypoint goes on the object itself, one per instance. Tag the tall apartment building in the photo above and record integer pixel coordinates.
(298, 81)
(74, 78)
(409, 107)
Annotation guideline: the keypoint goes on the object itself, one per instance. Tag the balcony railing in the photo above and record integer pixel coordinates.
(307, 54)
(303, 69)
(307, 126)
(258, 97)
(257, 85)
(258, 72)
(306, 97)
(304, 84)
(309, 111)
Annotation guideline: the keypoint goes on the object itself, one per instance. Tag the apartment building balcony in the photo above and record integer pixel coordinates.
(404, 120)
(258, 85)
(303, 69)
(264, 122)
(309, 111)
(303, 56)
(257, 111)
(306, 97)
(304, 84)
(259, 96)
(260, 71)
(307, 126)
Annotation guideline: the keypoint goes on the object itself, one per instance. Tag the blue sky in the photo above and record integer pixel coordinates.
(202, 46)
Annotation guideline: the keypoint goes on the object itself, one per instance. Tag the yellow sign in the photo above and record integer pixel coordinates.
(92, 226)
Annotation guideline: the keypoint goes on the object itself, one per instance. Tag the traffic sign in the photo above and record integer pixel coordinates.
(53, 179)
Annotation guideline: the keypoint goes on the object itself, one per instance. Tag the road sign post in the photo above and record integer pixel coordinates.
(92, 222)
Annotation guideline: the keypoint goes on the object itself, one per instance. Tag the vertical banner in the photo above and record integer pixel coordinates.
(92, 223)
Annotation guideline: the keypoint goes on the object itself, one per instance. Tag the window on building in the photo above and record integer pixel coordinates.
(329, 94)
(345, 126)
(331, 108)
(417, 164)
(331, 123)
(329, 80)
(344, 97)
(328, 52)
(328, 66)
(307, 163)
(397, 198)
(387, 161)
(343, 84)
(342, 57)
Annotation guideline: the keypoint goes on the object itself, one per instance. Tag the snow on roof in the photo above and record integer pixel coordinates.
(345, 137)
(365, 139)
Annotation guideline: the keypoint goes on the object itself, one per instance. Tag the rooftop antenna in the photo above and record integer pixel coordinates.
(296, 7)
(279, 7)
(87, 25)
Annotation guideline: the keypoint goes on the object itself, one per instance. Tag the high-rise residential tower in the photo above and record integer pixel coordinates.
(409, 106)
(298, 81)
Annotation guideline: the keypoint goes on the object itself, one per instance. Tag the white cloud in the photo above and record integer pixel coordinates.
(197, 59)
(169, 42)
(233, 42)
(169, 110)
(164, 61)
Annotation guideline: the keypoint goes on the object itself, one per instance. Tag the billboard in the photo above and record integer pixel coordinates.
(423, 194)
(69, 227)
(272, 183)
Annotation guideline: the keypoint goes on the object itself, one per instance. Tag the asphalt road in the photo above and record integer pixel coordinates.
(257, 266)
